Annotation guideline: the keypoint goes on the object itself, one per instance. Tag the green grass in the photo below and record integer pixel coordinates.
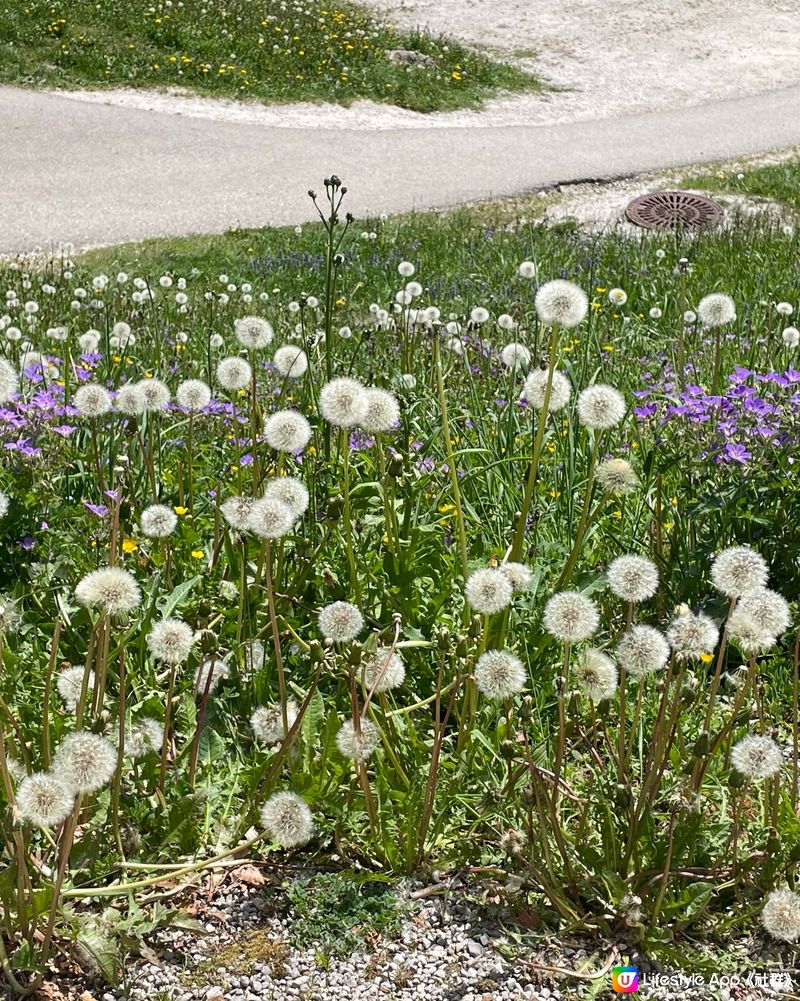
(779, 182)
(271, 51)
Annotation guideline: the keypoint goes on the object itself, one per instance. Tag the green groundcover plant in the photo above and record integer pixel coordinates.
(269, 50)
(339, 553)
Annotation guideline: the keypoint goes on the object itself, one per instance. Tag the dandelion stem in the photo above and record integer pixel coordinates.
(451, 463)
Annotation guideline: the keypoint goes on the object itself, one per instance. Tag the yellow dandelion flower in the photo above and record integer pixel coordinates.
(198, 554)
(129, 545)
(180, 511)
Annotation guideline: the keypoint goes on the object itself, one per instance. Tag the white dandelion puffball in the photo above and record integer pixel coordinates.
(601, 407)
(290, 361)
(270, 518)
(692, 634)
(488, 590)
(143, 737)
(193, 394)
(171, 641)
(616, 476)
(69, 685)
(757, 757)
(515, 355)
(340, 621)
(499, 674)
(455, 345)
(129, 399)
(84, 761)
(384, 670)
(655, 313)
(381, 411)
(291, 492)
(643, 650)
(236, 511)
(267, 723)
(9, 381)
(536, 384)
(10, 618)
(234, 373)
(633, 578)
(519, 576)
(571, 617)
(791, 337)
(596, 675)
(287, 819)
(155, 394)
(527, 269)
(4, 504)
(768, 610)
(343, 402)
(92, 400)
(747, 633)
(111, 588)
(505, 321)
(716, 309)
(253, 332)
(739, 570)
(357, 746)
(617, 297)
(43, 800)
(781, 915)
(561, 302)
(784, 308)
(287, 431)
(211, 672)
(405, 269)
(158, 521)
(479, 315)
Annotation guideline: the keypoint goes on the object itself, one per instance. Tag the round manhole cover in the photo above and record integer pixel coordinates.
(670, 209)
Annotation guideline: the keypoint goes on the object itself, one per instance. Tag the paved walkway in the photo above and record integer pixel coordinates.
(94, 174)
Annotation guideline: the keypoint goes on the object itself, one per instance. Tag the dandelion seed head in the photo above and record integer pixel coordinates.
(270, 518)
(84, 762)
(10, 619)
(643, 650)
(267, 722)
(129, 399)
(527, 269)
(616, 476)
(499, 674)
(519, 575)
(633, 578)
(748, 635)
(290, 361)
(193, 394)
(757, 757)
(716, 310)
(155, 394)
(617, 297)
(253, 332)
(595, 674)
(143, 737)
(791, 337)
(781, 915)
(210, 673)
(69, 684)
(287, 819)
(290, 491)
(739, 570)
(488, 590)
(600, 407)
(561, 302)
(571, 617)
(381, 411)
(9, 380)
(158, 521)
(236, 511)
(234, 373)
(343, 402)
(111, 588)
(43, 800)
(405, 269)
(92, 400)
(287, 431)
(340, 621)
(768, 610)
(171, 641)
(4, 504)
(515, 355)
(536, 384)
(384, 670)
(692, 634)
(357, 746)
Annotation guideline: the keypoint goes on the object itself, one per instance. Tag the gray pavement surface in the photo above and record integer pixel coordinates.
(94, 174)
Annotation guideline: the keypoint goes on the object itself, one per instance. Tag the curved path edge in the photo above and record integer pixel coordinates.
(95, 175)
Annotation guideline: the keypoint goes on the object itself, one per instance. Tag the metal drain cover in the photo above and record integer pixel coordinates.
(671, 209)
